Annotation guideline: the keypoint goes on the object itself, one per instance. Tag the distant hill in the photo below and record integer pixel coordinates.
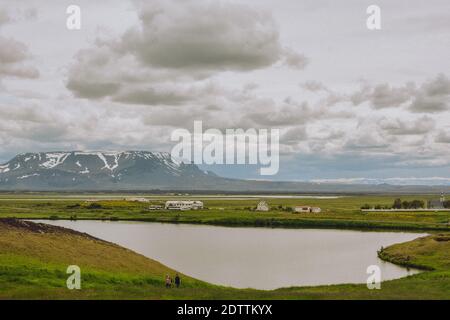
(146, 171)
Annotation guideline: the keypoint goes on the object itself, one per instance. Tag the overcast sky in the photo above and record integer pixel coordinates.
(351, 103)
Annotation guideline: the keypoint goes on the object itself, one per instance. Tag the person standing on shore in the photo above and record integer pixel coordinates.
(168, 282)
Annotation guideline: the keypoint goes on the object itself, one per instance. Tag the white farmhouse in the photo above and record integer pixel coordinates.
(302, 209)
(262, 206)
(184, 205)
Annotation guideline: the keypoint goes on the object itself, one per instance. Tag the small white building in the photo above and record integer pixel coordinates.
(262, 206)
(184, 205)
(307, 209)
(302, 209)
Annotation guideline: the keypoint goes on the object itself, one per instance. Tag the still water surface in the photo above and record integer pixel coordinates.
(254, 257)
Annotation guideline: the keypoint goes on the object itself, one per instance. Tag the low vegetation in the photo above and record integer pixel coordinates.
(341, 212)
(404, 205)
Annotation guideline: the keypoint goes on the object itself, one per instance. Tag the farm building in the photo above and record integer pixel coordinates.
(307, 209)
(184, 205)
(262, 206)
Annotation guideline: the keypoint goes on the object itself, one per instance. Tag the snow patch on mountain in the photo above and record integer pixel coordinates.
(4, 168)
(28, 176)
(54, 160)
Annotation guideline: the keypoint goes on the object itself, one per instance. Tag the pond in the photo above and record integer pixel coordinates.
(259, 258)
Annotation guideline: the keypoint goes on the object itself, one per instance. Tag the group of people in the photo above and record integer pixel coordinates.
(169, 281)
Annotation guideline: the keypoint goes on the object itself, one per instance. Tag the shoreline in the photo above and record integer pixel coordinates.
(269, 224)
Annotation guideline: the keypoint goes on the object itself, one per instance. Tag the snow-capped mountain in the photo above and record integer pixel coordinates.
(146, 171)
(79, 170)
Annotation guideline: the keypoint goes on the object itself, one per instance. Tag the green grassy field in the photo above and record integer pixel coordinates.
(34, 259)
(336, 213)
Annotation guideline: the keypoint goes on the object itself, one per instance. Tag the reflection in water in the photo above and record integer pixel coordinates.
(254, 257)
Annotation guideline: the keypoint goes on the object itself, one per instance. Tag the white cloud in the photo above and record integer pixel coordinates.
(397, 127)
(13, 60)
(178, 43)
(433, 96)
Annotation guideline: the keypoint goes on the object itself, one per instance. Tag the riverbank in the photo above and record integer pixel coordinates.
(34, 259)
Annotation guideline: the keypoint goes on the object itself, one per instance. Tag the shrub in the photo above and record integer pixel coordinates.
(397, 204)
(73, 206)
(95, 206)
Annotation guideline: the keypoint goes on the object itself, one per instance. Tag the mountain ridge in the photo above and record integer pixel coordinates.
(96, 170)
(147, 170)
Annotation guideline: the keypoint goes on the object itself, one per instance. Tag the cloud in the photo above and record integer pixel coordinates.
(294, 135)
(4, 17)
(366, 142)
(399, 127)
(314, 86)
(13, 12)
(383, 95)
(433, 96)
(92, 89)
(13, 55)
(177, 43)
(289, 113)
(443, 137)
(41, 126)
(204, 35)
(229, 65)
(295, 59)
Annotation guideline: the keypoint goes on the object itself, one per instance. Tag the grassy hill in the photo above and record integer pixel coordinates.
(34, 258)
